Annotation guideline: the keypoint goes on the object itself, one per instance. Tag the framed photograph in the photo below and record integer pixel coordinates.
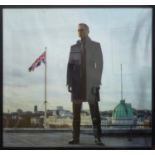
(77, 77)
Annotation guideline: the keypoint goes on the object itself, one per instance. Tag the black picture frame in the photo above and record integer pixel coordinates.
(74, 6)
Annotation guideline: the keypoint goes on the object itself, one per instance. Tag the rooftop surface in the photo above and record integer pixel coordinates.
(59, 139)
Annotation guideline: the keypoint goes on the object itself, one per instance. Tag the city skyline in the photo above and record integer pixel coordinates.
(56, 108)
(125, 37)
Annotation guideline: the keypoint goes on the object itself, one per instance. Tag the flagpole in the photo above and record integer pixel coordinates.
(45, 100)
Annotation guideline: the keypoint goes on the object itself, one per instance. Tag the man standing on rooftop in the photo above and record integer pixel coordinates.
(84, 73)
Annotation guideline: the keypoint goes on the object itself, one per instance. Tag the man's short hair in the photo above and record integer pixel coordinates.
(85, 25)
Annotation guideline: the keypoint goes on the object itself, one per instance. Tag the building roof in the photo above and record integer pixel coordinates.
(123, 111)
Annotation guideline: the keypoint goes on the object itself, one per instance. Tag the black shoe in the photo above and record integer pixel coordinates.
(98, 142)
(74, 141)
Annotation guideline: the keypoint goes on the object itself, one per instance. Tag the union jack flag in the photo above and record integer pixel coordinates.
(37, 62)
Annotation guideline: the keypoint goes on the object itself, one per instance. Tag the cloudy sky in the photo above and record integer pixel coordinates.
(124, 35)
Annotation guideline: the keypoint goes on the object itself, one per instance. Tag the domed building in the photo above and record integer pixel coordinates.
(123, 114)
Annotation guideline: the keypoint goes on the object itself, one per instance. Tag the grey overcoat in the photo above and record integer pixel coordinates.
(94, 66)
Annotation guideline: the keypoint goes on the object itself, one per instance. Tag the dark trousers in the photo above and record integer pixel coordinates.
(95, 116)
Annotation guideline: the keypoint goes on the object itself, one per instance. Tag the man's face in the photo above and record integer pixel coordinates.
(82, 31)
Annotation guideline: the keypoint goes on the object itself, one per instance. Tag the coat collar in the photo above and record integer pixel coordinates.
(87, 39)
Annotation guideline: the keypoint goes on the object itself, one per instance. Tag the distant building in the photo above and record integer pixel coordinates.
(59, 121)
(123, 114)
(85, 112)
(54, 112)
(40, 113)
(19, 111)
(59, 107)
(62, 112)
(35, 109)
(36, 122)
